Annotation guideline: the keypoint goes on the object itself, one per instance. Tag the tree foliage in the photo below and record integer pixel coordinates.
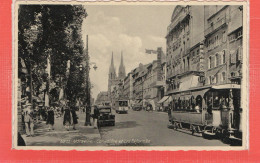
(51, 31)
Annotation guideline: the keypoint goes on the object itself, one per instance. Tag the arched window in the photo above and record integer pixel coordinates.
(216, 59)
(209, 62)
(224, 57)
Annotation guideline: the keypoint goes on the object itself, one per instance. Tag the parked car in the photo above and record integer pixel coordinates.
(105, 116)
(137, 107)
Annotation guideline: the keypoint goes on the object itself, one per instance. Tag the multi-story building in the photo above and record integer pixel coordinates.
(204, 64)
(148, 82)
(128, 87)
(185, 56)
(138, 78)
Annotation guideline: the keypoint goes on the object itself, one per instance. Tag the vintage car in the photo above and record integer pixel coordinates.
(105, 116)
(137, 107)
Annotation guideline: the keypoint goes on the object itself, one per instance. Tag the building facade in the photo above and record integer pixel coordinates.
(185, 56)
(203, 66)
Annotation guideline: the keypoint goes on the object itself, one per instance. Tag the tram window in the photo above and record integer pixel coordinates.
(216, 101)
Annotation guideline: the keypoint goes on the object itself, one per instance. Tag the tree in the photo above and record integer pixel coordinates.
(51, 31)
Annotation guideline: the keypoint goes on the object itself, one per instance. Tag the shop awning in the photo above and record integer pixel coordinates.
(167, 102)
(163, 99)
(226, 86)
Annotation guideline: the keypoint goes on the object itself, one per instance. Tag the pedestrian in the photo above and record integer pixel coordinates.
(95, 116)
(67, 118)
(20, 140)
(74, 118)
(197, 108)
(50, 118)
(28, 120)
(37, 115)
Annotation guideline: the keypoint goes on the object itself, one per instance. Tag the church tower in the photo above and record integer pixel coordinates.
(111, 74)
(121, 71)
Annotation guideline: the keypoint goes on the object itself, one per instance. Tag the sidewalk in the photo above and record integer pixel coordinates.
(82, 136)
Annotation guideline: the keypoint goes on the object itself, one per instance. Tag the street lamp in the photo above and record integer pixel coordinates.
(87, 121)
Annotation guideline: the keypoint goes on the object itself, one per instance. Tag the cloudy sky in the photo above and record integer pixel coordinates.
(130, 29)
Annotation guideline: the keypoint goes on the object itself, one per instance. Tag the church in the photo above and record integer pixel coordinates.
(115, 82)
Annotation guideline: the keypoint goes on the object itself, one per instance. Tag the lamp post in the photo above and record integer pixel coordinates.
(88, 105)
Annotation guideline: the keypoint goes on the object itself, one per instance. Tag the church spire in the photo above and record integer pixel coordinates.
(112, 60)
(112, 71)
(121, 71)
(122, 58)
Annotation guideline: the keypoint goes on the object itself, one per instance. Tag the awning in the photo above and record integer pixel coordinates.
(167, 102)
(163, 99)
(227, 86)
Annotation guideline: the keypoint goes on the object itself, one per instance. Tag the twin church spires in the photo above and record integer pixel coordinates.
(121, 70)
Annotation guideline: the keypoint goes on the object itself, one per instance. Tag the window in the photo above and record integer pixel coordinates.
(188, 63)
(223, 76)
(183, 64)
(216, 60)
(211, 60)
(213, 79)
(209, 63)
(198, 51)
(224, 57)
(220, 79)
(224, 37)
(217, 41)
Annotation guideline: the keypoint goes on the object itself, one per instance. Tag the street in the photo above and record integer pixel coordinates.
(149, 129)
(137, 128)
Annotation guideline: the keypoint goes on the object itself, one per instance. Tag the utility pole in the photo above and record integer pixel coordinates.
(88, 107)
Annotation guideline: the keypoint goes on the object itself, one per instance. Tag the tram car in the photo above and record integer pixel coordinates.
(214, 112)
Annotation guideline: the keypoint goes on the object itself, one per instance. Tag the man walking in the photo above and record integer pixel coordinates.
(95, 116)
(28, 119)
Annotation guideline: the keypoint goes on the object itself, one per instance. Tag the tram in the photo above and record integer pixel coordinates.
(213, 112)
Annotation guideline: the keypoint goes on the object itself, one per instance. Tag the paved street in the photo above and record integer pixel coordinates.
(149, 128)
(137, 128)
(82, 136)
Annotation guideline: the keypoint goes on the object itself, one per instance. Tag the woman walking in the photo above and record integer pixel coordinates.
(67, 118)
(50, 118)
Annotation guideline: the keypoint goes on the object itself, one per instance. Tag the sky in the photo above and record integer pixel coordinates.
(126, 29)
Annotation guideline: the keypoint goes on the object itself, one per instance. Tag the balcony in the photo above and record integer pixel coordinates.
(216, 26)
(158, 84)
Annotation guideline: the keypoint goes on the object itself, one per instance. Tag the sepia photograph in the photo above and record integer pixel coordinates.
(130, 76)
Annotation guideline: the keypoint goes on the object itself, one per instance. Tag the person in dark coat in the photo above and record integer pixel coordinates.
(67, 118)
(50, 118)
(74, 118)
(20, 140)
(95, 116)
